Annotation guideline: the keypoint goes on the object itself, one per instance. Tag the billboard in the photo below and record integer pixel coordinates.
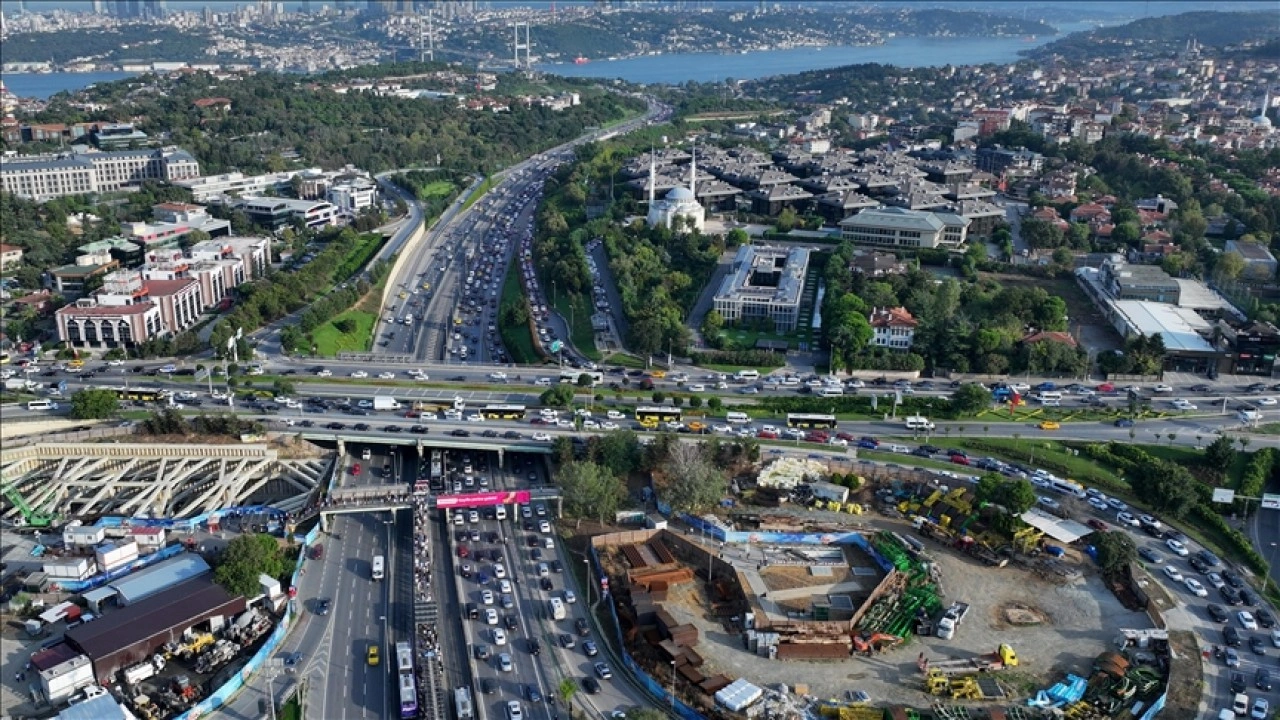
(484, 499)
(1270, 502)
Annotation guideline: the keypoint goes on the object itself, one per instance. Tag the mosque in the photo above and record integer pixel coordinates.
(679, 201)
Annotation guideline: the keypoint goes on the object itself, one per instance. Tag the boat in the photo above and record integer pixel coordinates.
(580, 60)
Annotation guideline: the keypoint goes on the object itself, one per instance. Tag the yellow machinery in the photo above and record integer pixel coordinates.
(197, 644)
(1027, 539)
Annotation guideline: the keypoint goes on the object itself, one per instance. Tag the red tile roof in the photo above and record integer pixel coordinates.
(1059, 337)
(892, 317)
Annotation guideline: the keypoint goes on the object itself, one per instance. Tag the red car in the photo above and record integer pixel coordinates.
(847, 437)
(1097, 524)
(355, 469)
(959, 460)
(1106, 387)
(765, 434)
(463, 551)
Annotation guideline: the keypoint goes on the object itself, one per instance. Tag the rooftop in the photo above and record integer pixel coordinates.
(180, 606)
(900, 218)
(144, 583)
(790, 264)
(1180, 328)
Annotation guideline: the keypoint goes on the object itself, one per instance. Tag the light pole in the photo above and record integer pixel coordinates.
(586, 560)
(673, 683)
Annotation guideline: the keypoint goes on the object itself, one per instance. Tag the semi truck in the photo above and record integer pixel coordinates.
(951, 620)
(382, 402)
(1004, 657)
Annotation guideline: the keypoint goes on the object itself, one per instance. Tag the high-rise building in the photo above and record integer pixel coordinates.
(98, 7)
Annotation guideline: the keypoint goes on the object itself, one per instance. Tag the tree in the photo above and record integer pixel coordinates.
(247, 557)
(618, 452)
(94, 404)
(714, 403)
(584, 380)
(691, 481)
(590, 491)
(567, 688)
(557, 396)
(1220, 453)
(1229, 265)
(970, 399)
(1042, 234)
(1115, 551)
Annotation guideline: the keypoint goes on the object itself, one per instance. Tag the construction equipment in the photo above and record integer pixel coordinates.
(1004, 657)
(964, 688)
(220, 653)
(135, 674)
(31, 516)
(875, 642)
(1027, 539)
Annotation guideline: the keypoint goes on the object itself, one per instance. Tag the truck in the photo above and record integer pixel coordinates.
(1004, 657)
(20, 384)
(135, 674)
(951, 620)
(557, 608)
(382, 402)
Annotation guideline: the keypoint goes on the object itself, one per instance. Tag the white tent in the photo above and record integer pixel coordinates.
(738, 695)
(1062, 530)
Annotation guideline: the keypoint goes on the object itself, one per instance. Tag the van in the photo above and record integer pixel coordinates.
(549, 543)
(42, 405)
(830, 391)
(745, 375)
(917, 422)
(737, 418)
(366, 454)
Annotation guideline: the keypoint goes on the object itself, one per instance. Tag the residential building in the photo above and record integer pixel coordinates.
(764, 282)
(10, 256)
(877, 264)
(43, 177)
(894, 328)
(204, 189)
(251, 252)
(996, 160)
(903, 229)
(1259, 263)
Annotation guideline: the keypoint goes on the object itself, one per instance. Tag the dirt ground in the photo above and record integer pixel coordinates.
(1056, 627)
(781, 577)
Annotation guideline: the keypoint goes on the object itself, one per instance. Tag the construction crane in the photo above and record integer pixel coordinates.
(31, 516)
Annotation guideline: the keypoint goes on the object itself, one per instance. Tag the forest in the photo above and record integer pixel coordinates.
(1165, 33)
(134, 43)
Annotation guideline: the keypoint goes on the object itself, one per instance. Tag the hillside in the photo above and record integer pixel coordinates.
(1164, 34)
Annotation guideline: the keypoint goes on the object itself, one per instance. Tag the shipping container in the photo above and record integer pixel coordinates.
(78, 568)
(83, 535)
(63, 680)
(113, 555)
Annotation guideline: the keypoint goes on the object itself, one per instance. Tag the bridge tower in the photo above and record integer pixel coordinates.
(426, 36)
(517, 45)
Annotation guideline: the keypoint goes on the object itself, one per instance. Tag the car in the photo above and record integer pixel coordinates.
(1262, 679)
(590, 649)
(1162, 388)
(532, 694)
(504, 663)
(1261, 709)
(1125, 518)
(461, 433)
(1247, 621)
(1172, 573)
(1177, 547)
(1215, 580)
(490, 617)
(1248, 598)
(1099, 504)
(1208, 558)
(545, 584)
(1231, 658)
(1267, 401)
(371, 656)
(570, 597)
(1217, 613)
(1195, 588)
(488, 686)
(499, 636)
(386, 376)
(1265, 618)
(541, 437)
(591, 685)
(1048, 502)
(1049, 425)
(487, 597)
(359, 374)
(504, 586)
(1229, 595)
(511, 622)
(1198, 565)
(1117, 504)
(323, 605)
(582, 627)
(1181, 404)
(1240, 703)
(602, 669)
(1148, 554)
(1123, 423)
(1232, 579)
(1255, 644)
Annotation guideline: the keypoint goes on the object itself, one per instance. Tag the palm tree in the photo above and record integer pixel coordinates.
(1172, 437)
(986, 430)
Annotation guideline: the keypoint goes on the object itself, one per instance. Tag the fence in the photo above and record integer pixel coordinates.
(780, 538)
(222, 695)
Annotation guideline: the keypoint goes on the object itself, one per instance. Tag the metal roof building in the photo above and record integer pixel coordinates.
(159, 577)
(131, 634)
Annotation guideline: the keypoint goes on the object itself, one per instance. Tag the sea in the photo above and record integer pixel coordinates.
(696, 67)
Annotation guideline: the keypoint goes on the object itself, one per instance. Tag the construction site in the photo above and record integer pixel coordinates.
(921, 611)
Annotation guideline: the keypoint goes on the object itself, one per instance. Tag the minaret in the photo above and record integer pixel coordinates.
(693, 172)
(653, 176)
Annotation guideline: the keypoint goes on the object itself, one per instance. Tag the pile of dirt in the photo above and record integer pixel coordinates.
(1019, 615)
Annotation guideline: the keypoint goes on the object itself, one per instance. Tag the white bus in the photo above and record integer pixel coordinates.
(737, 418)
(830, 391)
(571, 376)
(377, 567)
(462, 703)
(1067, 487)
(916, 422)
(745, 375)
(1050, 399)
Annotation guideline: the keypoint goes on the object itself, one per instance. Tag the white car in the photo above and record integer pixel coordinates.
(498, 376)
(722, 428)
(475, 417)
(1247, 620)
(607, 425)
(499, 636)
(504, 586)
(1125, 518)
(541, 437)
(1097, 504)
(1181, 404)
(1195, 588)
(1268, 401)
(1261, 709)
(841, 442)
(1215, 580)
(386, 376)
(1173, 573)
(1162, 388)
(1048, 502)
(486, 597)
(324, 373)
(1177, 547)
(569, 597)
(359, 374)
(544, 527)
(1117, 504)
(500, 571)
(490, 617)
(615, 415)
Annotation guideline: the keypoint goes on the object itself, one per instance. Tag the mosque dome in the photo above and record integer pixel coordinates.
(1262, 121)
(682, 194)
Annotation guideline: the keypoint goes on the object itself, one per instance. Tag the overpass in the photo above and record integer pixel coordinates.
(422, 443)
(344, 501)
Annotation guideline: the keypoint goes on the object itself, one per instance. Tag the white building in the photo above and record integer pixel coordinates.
(903, 229)
(764, 282)
(204, 189)
(43, 177)
(277, 212)
(893, 328)
(352, 197)
(679, 201)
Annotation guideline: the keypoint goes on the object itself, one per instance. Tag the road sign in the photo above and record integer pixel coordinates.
(557, 346)
(1270, 502)
(1224, 495)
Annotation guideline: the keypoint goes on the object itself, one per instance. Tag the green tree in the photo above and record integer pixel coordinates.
(247, 557)
(619, 452)
(567, 688)
(1116, 550)
(584, 380)
(590, 491)
(695, 402)
(1220, 453)
(557, 396)
(970, 399)
(1042, 234)
(94, 404)
(691, 482)
(1229, 265)
(714, 403)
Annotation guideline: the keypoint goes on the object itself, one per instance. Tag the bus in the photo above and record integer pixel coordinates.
(503, 412)
(651, 416)
(572, 376)
(462, 703)
(404, 658)
(815, 421)
(142, 394)
(408, 696)
(377, 567)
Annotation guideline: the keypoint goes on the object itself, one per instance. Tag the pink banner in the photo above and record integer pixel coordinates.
(483, 499)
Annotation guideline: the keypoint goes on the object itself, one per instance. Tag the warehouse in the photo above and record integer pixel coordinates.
(134, 633)
(136, 587)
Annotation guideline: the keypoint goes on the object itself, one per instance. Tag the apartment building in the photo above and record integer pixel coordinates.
(276, 212)
(78, 172)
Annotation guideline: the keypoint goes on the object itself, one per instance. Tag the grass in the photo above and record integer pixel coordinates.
(577, 310)
(330, 341)
(746, 339)
(480, 191)
(517, 339)
(1267, 429)
(291, 710)
(437, 188)
(626, 360)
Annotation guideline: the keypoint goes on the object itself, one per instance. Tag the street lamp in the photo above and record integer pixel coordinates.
(586, 560)
(673, 683)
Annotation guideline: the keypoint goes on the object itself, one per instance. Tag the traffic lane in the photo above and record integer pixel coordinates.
(356, 689)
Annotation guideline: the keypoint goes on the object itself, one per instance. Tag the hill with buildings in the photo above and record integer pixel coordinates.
(1165, 34)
